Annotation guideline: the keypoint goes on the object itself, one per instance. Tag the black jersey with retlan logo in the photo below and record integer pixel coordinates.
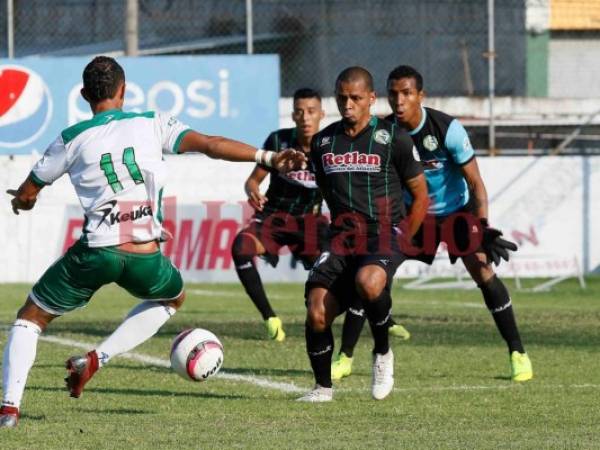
(295, 192)
(365, 174)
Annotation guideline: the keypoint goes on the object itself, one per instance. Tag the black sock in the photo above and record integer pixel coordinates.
(353, 325)
(319, 347)
(243, 252)
(378, 313)
(499, 304)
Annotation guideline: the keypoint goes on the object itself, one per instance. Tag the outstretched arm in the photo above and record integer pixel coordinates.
(218, 147)
(26, 196)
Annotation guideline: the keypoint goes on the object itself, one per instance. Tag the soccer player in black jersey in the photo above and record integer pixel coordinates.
(280, 214)
(455, 189)
(362, 166)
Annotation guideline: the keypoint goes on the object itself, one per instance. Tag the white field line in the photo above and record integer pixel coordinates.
(292, 388)
(257, 381)
(400, 302)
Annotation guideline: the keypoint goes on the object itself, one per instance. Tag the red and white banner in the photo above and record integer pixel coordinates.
(550, 206)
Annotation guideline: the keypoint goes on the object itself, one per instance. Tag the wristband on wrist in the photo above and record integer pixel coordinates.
(268, 157)
(264, 157)
(258, 156)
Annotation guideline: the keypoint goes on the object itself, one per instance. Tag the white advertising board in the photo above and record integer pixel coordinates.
(550, 206)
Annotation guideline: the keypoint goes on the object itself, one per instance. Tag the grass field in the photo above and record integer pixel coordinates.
(452, 386)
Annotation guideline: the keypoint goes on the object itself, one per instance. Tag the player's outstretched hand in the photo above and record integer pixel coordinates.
(17, 203)
(495, 247)
(288, 160)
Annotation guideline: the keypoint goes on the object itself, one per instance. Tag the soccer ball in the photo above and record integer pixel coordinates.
(196, 354)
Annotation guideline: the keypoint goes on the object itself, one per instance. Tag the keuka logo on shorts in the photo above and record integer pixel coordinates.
(351, 162)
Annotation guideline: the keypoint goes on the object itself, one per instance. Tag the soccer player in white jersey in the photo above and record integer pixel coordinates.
(115, 162)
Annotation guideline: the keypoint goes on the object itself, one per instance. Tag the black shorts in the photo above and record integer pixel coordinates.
(337, 272)
(305, 236)
(456, 230)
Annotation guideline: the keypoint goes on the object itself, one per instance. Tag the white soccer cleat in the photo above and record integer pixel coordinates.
(383, 375)
(319, 394)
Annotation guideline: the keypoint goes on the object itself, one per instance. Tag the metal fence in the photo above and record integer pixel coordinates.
(535, 48)
(315, 39)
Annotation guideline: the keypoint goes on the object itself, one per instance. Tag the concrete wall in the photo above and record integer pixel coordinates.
(542, 203)
(475, 111)
(574, 67)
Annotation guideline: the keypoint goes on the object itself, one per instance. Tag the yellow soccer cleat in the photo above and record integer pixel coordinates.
(341, 366)
(520, 367)
(399, 331)
(275, 329)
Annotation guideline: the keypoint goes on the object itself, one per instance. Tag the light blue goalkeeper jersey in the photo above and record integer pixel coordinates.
(443, 146)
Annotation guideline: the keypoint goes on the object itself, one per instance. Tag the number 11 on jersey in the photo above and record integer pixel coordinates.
(128, 160)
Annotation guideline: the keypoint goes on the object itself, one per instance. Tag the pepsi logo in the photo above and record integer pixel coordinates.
(25, 106)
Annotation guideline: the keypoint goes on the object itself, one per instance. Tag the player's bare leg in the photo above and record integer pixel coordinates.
(322, 308)
(498, 302)
(371, 281)
(19, 356)
(142, 322)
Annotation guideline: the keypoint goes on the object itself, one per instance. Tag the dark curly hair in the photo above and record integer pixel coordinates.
(406, 72)
(101, 78)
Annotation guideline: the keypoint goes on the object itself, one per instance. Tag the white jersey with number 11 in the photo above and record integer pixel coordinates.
(115, 162)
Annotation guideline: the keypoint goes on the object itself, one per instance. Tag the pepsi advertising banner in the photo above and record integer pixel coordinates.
(235, 96)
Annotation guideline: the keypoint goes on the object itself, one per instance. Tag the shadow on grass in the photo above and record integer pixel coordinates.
(32, 417)
(112, 411)
(245, 330)
(144, 392)
(133, 365)
(265, 371)
(426, 330)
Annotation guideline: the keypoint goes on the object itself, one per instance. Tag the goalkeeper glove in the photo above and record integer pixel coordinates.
(493, 245)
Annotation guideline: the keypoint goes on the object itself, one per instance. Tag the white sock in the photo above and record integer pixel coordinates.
(19, 355)
(142, 322)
